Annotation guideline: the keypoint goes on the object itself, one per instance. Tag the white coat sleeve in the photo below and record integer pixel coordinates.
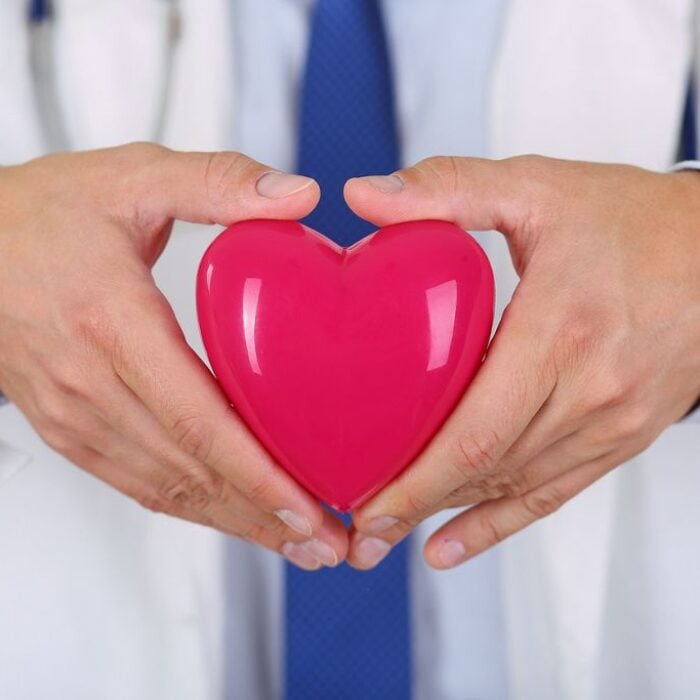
(694, 415)
(21, 136)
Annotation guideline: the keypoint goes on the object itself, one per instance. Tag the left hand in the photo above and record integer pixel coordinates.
(598, 352)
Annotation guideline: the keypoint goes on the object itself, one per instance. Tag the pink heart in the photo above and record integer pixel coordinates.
(344, 362)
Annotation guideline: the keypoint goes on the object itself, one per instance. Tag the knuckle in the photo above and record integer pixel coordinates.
(56, 438)
(447, 170)
(196, 490)
(92, 327)
(141, 151)
(223, 174)
(489, 531)
(260, 490)
(55, 412)
(253, 532)
(154, 503)
(193, 436)
(576, 342)
(542, 502)
(512, 484)
(488, 487)
(633, 422)
(609, 389)
(543, 177)
(69, 380)
(415, 504)
(131, 169)
(468, 494)
(475, 454)
(589, 347)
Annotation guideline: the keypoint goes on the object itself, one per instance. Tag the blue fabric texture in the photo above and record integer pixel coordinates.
(39, 10)
(347, 632)
(689, 137)
(347, 121)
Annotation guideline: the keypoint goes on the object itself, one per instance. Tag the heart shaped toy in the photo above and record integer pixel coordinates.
(344, 362)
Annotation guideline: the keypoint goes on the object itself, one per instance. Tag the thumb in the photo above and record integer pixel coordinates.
(474, 193)
(212, 188)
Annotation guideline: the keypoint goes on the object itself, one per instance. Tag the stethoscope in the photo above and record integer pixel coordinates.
(40, 13)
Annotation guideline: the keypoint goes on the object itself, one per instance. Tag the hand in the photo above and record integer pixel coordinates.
(598, 352)
(91, 352)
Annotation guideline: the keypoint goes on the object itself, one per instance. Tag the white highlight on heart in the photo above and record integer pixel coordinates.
(442, 310)
(251, 296)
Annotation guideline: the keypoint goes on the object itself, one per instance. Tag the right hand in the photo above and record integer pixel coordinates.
(91, 352)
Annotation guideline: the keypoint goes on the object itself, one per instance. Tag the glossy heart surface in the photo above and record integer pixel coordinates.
(344, 362)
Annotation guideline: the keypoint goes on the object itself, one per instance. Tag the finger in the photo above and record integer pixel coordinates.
(554, 422)
(328, 547)
(181, 481)
(305, 554)
(489, 523)
(168, 483)
(220, 187)
(177, 388)
(475, 193)
(115, 424)
(552, 443)
(147, 456)
(175, 474)
(507, 393)
(557, 459)
(565, 455)
(129, 482)
(615, 430)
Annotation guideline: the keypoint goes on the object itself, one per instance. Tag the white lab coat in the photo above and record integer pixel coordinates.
(101, 599)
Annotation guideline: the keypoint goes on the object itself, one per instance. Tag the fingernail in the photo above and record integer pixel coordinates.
(276, 185)
(296, 522)
(380, 524)
(452, 553)
(299, 555)
(369, 551)
(387, 184)
(322, 551)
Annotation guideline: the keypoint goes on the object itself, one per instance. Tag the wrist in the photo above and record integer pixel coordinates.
(688, 173)
(686, 195)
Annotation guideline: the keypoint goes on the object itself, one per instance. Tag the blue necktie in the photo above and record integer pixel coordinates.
(347, 632)
(689, 137)
(39, 10)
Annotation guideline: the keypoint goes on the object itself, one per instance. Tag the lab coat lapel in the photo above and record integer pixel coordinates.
(110, 61)
(200, 112)
(144, 70)
(108, 68)
(593, 81)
